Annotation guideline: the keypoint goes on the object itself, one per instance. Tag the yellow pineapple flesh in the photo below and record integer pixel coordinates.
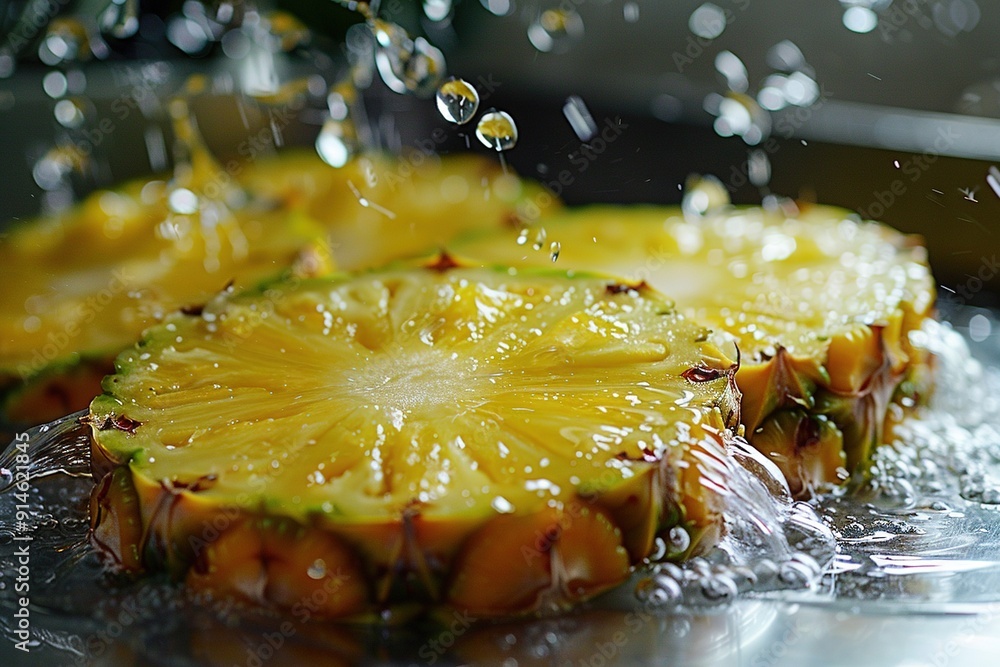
(436, 436)
(91, 279)
(820, 305)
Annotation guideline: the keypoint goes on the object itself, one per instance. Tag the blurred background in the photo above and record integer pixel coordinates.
(890, 108)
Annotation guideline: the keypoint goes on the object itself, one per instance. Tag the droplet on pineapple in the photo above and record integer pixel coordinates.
(120, 19)
(496, 130)
(555, 29)
(502, 505)
(335, 145)
(457, 101)
(317, 570)
(554, 249)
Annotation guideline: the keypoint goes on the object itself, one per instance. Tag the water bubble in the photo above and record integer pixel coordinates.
(522, 236)
(678, 540)
(119, 19)
(720, 588)
(554, 249)
(555, 29)
(496, 130)
(659, 590)
(457, 101)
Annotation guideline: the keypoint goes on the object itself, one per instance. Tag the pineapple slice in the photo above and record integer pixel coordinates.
(440, 435)
(819, 304)
(378, 209)
(88, 282)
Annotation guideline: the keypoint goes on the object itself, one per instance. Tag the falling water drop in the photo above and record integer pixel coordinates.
(496, 130)
(120, 19)
(554, 249)
(555, 29)
(336, 143)
(457, 101)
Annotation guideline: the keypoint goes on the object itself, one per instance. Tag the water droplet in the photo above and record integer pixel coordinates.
(703, 194)
(457, 101)
(317, 570)
(336, 143)
(630, 11)
(678, 540)
(539, 239)
(707, 21)
(498, 7)
(437, 10)
(555, 29)
(759, 168)
(67, 39)
(860, 19)
(496, 129)
(786, 56)
(576, 112)
(120, 19)
(70, 113)
(406, 64)
(502, 505)
(554, 249)
(55, 84)
(729, 65)
(522, 236)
